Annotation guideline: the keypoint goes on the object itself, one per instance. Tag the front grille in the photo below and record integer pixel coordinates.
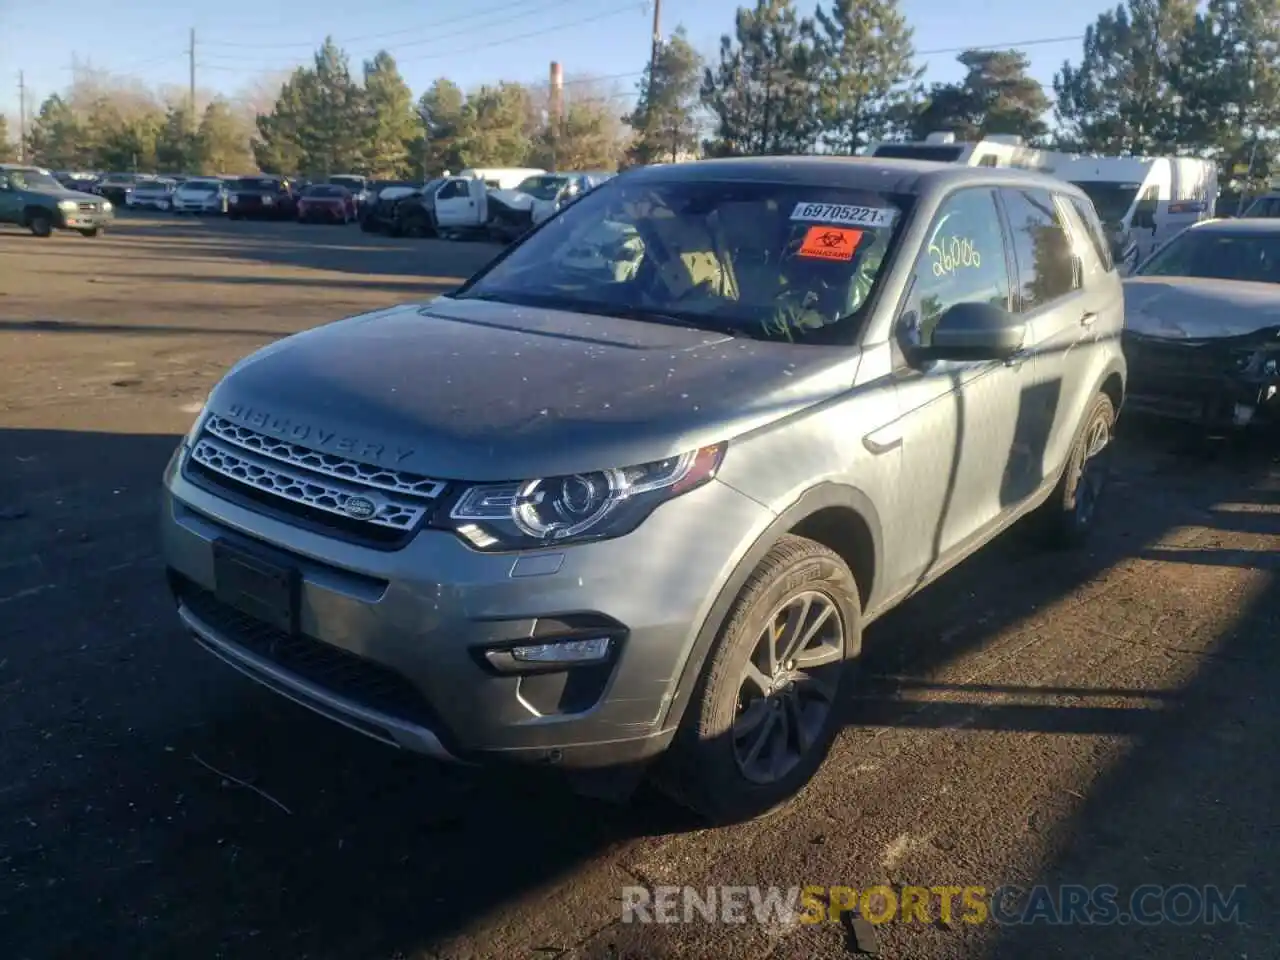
(346, 495)
(342, 673)
(88, 206)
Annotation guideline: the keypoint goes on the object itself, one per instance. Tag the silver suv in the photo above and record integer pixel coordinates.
(633, 492)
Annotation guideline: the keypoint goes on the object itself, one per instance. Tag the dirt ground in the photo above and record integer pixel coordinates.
(1104, 717)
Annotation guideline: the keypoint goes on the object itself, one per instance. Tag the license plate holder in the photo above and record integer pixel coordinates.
(257, 586)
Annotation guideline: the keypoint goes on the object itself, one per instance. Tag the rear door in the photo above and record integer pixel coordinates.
(1050, 295)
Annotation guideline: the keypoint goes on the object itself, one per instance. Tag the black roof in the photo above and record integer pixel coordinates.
(1240, 225)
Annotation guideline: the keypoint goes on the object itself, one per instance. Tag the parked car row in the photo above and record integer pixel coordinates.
(494, 204)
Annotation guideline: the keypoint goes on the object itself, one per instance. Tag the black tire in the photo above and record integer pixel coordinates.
(40, 223)
(90, 231)
(1067, 517)
(703, 769)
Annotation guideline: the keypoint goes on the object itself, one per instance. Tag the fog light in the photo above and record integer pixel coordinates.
(569, 651)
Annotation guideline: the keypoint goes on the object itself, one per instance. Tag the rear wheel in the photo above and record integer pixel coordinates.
(1067, 517)
(766, 709)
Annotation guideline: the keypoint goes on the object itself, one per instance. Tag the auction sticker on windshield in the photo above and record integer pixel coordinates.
(830, 243)
(845, 213)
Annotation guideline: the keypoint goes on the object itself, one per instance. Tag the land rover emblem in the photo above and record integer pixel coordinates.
(359, 508)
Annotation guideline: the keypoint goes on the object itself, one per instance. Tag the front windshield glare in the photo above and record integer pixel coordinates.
(33, 180)
(1220, 256)
(773, 261)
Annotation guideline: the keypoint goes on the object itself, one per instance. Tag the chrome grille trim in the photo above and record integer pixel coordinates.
(296, 485)
(328, 464)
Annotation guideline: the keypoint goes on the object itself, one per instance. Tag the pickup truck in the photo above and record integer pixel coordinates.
(30, 197)
(466, 206)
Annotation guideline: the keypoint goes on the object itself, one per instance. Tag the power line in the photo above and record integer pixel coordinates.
(554, 28)
(430, 25)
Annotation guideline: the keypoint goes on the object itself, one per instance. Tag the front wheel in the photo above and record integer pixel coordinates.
(40, 224)
(766, 709)
(1067, 517)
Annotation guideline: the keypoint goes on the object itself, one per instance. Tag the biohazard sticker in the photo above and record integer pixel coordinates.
(844, 213)
(830, 243)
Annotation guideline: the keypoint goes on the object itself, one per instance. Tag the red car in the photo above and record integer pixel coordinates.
(327, 203)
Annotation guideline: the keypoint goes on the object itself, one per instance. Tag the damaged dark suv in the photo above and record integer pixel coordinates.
(1202, 327)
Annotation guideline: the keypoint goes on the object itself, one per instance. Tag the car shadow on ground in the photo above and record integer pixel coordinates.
(159, 805)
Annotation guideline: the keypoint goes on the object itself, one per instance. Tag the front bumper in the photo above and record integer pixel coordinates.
(332, 214)
(396, 643)
(84, 219)
(1194, 382)
(197, 206)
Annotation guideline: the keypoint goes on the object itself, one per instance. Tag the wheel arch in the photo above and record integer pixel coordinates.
(840, 517)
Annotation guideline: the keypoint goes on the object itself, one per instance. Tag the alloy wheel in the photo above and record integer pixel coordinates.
(788, 687)
(1095, 469)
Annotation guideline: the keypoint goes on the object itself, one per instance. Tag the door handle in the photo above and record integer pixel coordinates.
(1088, 319)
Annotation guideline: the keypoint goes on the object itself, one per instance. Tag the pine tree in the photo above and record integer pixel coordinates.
(390, 122)
(762, 92)
(665, 118)
(867, 72)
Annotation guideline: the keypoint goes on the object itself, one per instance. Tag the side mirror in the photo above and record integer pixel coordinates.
(975, 331)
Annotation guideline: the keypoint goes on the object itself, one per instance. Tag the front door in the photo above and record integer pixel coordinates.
(10, 205)
(453, 202)
(957, 419)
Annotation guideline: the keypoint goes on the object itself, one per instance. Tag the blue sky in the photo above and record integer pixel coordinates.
(469, 41)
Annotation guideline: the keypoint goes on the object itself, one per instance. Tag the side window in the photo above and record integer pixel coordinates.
(1085, 249)
(988, 161)
(1088, 217)
(1046, 268)
(963, 261)
(4, 181)
(1144, 214)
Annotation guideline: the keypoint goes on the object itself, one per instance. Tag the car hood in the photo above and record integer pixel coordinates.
(1186, 308)
(473, 390)
(514, 199)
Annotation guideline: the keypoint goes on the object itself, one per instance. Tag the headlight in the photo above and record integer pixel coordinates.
(68, 205)
(582, 507)
(233, 197)
(1262, 362)
(268, 201)
(106, 204)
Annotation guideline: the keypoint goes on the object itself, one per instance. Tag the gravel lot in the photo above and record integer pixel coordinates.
(1103, 717)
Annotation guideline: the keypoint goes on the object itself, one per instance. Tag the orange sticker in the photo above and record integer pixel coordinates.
(830, 243)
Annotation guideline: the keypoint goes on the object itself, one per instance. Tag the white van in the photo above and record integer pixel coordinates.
(1154, 197)
(501, 178)
(997, 150)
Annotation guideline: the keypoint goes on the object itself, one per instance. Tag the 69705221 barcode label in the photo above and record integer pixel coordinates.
(844, 213)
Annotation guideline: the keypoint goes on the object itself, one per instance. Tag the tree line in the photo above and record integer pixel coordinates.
(1153, 76)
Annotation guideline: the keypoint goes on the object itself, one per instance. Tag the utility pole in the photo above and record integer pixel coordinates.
(657, 37)
(22, 118)
(555, 111)
(191, 54)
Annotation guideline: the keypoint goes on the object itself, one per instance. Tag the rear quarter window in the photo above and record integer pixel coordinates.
(1085, 211)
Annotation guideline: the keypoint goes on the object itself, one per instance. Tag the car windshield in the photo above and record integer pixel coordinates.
(1218, 255)
(542, 188)
(352, 183)
(323, 191)
(33, 180)
(1111, 200)
(199, 186)
(257, 186)
(770, 261)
